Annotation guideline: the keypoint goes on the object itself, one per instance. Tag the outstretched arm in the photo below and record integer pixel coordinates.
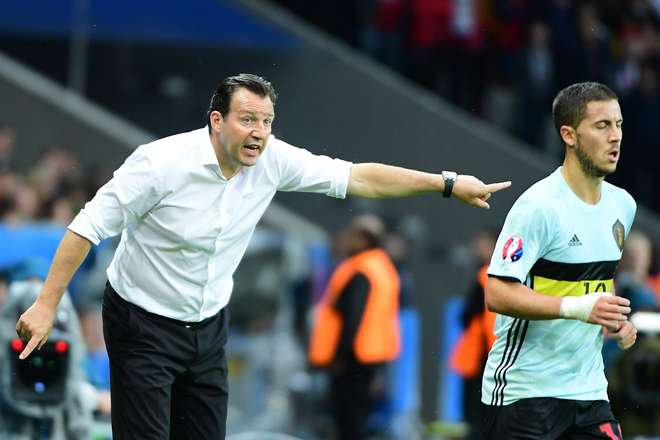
(379, 181)
(513, 298)
(35, 323)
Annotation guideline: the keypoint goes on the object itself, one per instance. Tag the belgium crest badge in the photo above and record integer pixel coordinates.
(619, 234)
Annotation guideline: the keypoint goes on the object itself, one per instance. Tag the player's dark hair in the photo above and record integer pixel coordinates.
(223, 93)
(570, 104)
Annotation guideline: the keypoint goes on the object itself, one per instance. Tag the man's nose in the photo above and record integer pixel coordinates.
(615, 134)
(259, 131)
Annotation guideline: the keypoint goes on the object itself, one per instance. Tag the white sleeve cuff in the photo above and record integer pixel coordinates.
(339, 186)
(83, 227)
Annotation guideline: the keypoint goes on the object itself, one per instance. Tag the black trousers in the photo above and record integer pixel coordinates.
(353, 400)
(546, 418)
(168, 378)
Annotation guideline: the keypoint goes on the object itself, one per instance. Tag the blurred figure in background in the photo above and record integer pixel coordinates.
(536, 68)
(654, 276)
(382, 33)
(468, 358)
(643, 146)
(356, 327)
(633, 276)
(7, 139)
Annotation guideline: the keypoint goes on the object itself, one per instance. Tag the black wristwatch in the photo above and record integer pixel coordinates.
(449, 178)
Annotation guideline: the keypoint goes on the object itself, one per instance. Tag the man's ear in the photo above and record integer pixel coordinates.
(216, 119)
(568, 135)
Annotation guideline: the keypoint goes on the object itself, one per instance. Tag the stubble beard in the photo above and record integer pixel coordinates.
(588, 166)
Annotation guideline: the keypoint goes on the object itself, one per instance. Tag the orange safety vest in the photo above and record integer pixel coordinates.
(377, 338)
(468, 356)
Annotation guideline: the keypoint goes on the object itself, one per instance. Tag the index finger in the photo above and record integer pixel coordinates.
(494, 187)
(29, 348)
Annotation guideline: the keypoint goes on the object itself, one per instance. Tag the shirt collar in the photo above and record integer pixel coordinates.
(207, 152)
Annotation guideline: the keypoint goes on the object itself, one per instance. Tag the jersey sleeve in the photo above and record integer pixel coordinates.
(632, 210)
(523, 240)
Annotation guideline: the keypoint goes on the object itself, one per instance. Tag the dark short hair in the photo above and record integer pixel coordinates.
(223, 93)
(570, 104)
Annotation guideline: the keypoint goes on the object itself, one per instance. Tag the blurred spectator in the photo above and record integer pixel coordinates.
(57, 172)
(429, 39)
(397, 247)
(26, 204)
(654, 276)
(468, 357)
(447, 44)
(8, 186)
(508, 28)
(564, 36)
(7, 139)
(627, 70)
(536, 70)
(383, 30)
(633, 274)
(642, 132)
(593, 50)
(4, 284)
(356, 327)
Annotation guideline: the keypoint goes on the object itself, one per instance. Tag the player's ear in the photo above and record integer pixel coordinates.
(568, 135)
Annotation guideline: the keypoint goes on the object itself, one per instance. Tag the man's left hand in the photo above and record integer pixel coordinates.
(625, 336)
(474, 192)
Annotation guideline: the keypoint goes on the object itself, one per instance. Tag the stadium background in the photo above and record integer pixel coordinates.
(428, 84)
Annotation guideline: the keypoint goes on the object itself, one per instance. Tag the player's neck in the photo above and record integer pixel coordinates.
(586, 187)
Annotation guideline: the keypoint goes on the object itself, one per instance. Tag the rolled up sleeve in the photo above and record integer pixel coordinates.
(300, 170)
(132, 192)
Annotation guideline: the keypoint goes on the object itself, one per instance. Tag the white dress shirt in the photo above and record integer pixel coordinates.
(184, 226)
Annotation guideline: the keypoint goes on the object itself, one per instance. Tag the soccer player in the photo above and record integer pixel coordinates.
(186, 207)
(551, 284)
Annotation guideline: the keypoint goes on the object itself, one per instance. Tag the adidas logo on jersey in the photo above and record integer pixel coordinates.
(575, 241)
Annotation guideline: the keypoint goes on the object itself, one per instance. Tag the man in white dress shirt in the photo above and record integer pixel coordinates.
(186, 207)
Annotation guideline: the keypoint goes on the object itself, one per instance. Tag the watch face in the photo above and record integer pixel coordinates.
(449, 177)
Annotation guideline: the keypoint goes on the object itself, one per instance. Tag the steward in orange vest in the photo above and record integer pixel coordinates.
(356, 327)
(469, 355)
(377, 337)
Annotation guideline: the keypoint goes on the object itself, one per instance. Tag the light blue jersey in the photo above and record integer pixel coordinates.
(557, 245)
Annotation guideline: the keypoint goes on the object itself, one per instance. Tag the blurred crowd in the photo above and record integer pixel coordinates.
(36, 204)
(504, 60)
(52, 190)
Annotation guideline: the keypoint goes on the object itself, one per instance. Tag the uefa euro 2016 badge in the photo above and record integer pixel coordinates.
(513, 249)
(619, 234)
